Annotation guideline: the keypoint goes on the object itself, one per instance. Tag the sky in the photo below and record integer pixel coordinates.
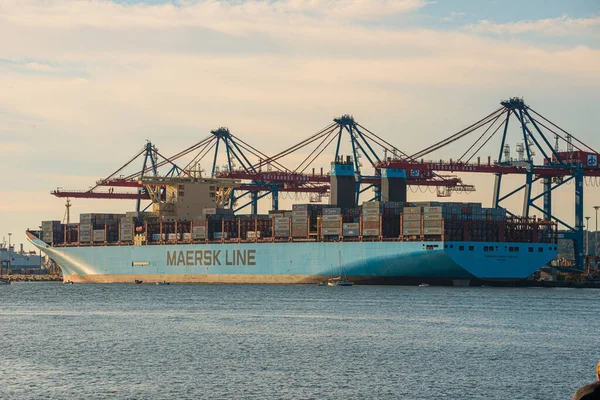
(84, 84)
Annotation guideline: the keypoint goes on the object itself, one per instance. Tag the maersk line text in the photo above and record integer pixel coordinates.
(191, 258)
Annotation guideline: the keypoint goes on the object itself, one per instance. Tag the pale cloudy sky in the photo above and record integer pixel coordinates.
(83, 84)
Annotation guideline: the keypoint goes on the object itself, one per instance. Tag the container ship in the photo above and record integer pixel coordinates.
(188, 238)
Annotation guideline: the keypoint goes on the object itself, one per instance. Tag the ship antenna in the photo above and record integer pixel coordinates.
(67, 217)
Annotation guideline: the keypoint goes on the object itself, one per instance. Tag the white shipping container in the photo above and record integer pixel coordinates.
(370, 218)
(351, 225)
(331, 231)
(432, 210)
(433, 231)
(370, 232)
(411, 231)
(370, 211)
(281, 219)
(220, 235)
(432, 224)
(433, 216)
(412, 210)
(172, 236)
(371, 204)
(199, 235)
(98, 235)
(331, 217)
(187, 236)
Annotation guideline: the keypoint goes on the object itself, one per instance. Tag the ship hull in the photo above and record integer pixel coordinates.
(298, 262)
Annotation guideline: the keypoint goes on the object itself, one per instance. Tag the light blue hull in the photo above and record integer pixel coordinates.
(300, 262)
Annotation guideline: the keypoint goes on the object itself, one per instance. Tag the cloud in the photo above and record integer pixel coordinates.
(85, 83)
(13, 148)
(559, 26)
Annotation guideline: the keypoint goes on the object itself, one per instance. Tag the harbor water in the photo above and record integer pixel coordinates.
(295, 342)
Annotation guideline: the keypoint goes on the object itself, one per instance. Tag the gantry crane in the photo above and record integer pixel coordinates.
(556, 169)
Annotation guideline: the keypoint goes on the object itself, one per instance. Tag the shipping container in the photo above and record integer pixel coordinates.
(331, 231)
(411, 217)
(370, 211)
(352, 225)
(300, 233)
(336, 217)
(370, 232)
(371, 204)
(370, 218)
(411, 231)
(351, 232)
(99, 235)
(433, 231)
(332, 211)
(433, 216)
(412, 210)
(430, 224)
(411, 224)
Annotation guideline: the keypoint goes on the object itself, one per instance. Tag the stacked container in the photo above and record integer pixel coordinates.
(351, 229)
(126, 231)
(99, 235)
(199, 230)
(371, 218)
(331, 222)
(52, 232)
(85, 232)
(281, 226)
(300, 223)
(433, 220)
(411, 221)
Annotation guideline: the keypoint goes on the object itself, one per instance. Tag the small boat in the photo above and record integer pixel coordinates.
(137, 281)
(339, 281)
(322, 284)
(68, 282)
(163, 283)
(342, 279)
(424, 285)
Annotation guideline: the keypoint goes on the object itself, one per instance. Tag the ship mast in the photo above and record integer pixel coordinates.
(67, 217)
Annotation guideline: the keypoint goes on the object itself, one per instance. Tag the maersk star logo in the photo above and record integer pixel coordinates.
(592, 160)
(414, 172)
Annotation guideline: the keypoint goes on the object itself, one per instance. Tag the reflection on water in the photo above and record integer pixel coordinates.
(290, 342)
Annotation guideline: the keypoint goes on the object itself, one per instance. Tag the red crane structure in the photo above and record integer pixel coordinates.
(557, 168)
(262, 175)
